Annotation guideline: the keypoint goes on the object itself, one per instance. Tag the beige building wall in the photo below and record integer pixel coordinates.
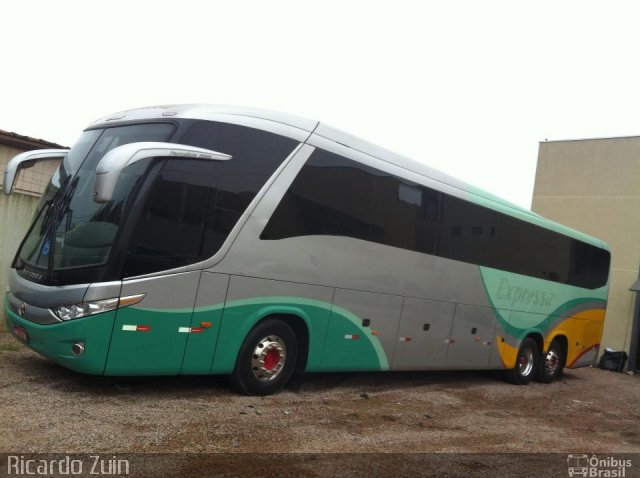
(593, 186)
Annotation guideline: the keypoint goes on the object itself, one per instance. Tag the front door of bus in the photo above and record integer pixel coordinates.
(149, 338)
(170, 223)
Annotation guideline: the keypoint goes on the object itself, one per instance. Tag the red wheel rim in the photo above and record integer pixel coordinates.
(271, 359)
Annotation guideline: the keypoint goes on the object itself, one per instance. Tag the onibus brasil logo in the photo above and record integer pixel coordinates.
(594, 466)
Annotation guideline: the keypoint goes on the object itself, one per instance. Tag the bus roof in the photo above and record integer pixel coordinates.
(206, 112)
(218, 112)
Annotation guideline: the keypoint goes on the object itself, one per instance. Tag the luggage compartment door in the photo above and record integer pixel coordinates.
(472, 337)
(362, 331)
(425, 326)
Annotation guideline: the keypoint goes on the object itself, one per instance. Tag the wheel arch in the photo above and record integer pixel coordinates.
(238, 322)
(300, 328)
(537, 337)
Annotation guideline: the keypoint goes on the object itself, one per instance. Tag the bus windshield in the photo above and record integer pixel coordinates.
(71, 230)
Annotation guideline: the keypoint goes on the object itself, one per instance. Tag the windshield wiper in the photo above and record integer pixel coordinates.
(52, 220)
(52, 202)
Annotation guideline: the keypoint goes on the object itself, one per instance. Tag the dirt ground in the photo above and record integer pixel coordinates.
(46, 408)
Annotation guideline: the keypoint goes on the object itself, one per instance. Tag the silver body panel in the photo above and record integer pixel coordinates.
(381, 310)
(102, 290)
(474, 334)
(427, 323)
(170, 292)
(249, 287)
(42, 295)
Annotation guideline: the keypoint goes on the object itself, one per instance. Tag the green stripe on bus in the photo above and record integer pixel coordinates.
(327, 325)
(523, 298)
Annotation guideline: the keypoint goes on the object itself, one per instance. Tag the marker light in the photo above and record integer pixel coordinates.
(76, 311)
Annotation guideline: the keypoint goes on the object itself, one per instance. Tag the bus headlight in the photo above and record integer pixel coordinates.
(76, 311)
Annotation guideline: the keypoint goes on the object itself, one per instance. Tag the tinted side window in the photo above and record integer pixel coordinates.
(171, 231)
(489, 238)
(256, 156)
(193, 205)
(599, 270)
(478, 235)
(467, 231)
(405, 215)
(336, 196)
(330, 196)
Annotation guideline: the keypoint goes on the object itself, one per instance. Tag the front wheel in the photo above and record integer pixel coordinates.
(526, 363)
(266, 360)
(551, 364)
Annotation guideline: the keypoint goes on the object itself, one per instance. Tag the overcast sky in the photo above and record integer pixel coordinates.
(469, 87)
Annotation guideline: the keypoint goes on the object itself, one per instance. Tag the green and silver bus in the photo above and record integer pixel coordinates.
(195, 239)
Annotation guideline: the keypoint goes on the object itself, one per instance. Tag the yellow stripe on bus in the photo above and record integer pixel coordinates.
(582, 330)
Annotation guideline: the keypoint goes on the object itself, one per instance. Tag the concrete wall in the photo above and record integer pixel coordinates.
(16, 212)
(594, 186)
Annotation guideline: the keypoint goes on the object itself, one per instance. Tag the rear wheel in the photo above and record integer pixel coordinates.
(527, 362)
(266, 360)
(551, 363)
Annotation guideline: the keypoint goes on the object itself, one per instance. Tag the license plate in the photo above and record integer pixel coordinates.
(21, 333)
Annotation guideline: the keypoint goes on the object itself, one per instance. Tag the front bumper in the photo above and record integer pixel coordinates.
(54, 341)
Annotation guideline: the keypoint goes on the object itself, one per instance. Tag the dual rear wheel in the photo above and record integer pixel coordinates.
(531, 364)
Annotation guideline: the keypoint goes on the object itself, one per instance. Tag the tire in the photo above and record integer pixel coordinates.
(551, 363)
(527, 362)
(266, 359)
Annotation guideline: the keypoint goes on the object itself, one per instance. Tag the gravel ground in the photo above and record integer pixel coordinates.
(46, 408)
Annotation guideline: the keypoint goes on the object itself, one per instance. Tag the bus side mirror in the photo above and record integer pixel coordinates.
(26, 160)
(111, 165)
